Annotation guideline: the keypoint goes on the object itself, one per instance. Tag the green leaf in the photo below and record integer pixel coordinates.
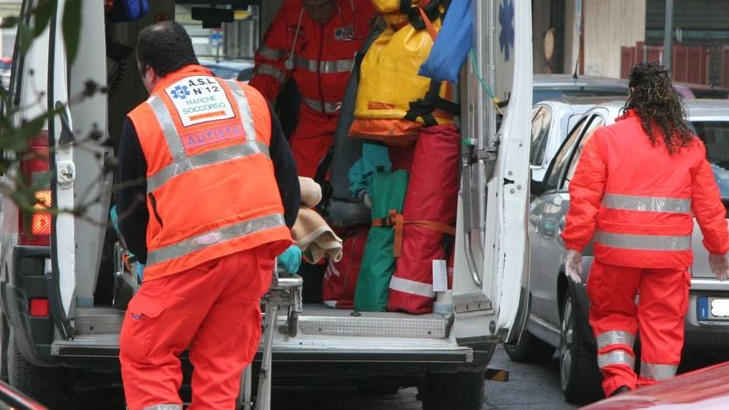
(17, 139)
(72, 27)
(26, 38)
(9, 22)
(43, 14)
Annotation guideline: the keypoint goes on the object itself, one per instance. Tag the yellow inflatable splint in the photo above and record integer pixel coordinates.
(393, 101)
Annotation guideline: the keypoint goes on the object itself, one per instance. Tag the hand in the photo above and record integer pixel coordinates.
(573, 265)
(719, 265)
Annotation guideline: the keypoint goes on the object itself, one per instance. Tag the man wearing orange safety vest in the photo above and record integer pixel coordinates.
(313, 41)
(637, 188)
(208, 192)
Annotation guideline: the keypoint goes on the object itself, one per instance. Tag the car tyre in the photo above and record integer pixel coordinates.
(529, 349)
(579, 374)
(44, 384)
(449, 391)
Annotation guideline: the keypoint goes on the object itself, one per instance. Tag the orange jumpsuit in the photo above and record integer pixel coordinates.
(211, 239)
(320, 58)
(640, 218)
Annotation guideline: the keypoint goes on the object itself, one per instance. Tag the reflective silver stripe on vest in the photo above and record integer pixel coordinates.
(412, 287)
(657, 371)
(334, 66)
(615, 357)
(328, 107)
(615, 337)
(646, 203)
(203, 159)
(181, 163)
(643, 242)
(164, 407)
(245, 110)
(271, 53)
(270, 70)
(214, 237)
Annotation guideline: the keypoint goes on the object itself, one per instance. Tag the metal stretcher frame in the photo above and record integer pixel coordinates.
(284, 293)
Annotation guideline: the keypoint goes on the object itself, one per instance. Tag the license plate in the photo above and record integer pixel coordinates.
(720, 308)
(712, 308)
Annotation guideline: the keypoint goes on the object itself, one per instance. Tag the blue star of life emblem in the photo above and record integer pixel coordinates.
(180, 91)
(506, 19)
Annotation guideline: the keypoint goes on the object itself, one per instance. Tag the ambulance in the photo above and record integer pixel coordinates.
(62, 290)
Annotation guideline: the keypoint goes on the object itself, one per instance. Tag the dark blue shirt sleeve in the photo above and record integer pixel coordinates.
(131, 189)
(287, 176)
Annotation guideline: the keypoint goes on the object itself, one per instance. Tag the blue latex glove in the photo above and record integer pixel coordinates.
(290, 259)
(114, 216)
(140, 271)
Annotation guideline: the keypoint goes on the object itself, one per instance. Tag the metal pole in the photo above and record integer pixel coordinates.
(668, 35)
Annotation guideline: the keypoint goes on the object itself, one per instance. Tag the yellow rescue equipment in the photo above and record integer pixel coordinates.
(393, 101)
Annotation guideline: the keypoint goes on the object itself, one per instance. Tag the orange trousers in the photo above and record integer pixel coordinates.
(657, 316)
(311, 139)
(214, 311)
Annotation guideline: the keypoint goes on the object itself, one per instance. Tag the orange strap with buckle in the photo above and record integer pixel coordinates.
(397, 221)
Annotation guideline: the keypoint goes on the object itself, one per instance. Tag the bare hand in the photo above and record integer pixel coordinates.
(573, 265)
(719, 265)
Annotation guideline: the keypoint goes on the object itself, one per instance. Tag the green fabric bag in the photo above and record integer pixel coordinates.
(378, 262)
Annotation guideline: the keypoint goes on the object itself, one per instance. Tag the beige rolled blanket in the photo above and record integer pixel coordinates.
(315, 237)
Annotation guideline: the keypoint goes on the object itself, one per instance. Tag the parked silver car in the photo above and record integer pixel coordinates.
(558, 308)
(551, 119)
(555, 86)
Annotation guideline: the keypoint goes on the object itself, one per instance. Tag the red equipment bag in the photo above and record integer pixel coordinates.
(340, 278)
(429, 213)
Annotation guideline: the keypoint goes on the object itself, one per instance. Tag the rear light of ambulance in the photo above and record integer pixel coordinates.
(35, 228)
(39, 307)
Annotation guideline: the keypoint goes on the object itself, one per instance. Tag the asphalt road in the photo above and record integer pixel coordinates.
(530, 386)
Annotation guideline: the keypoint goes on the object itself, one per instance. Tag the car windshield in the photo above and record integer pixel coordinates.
(715, 135)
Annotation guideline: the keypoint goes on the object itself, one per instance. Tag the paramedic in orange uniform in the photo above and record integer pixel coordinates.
(637, 188)
(313, 41)
(208, 191)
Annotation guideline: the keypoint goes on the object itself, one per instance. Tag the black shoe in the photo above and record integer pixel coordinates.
(619, 390)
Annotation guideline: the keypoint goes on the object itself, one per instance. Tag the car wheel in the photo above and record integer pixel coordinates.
(41, 383)
(580, 377)
(529, 349)
(449, 391)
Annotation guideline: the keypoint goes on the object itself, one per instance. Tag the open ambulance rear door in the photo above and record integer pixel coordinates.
(78, 161)
(491, 264)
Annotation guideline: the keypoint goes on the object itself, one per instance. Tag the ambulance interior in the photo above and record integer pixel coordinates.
(347, 215)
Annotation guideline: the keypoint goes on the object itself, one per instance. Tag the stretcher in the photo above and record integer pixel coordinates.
(283, 295)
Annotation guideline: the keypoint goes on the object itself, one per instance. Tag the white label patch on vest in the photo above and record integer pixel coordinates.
(200, 99)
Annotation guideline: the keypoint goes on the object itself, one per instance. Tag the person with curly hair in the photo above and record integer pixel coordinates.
(636, 191)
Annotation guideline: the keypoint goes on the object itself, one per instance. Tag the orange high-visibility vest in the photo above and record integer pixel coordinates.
(637, 201)
(211, 188)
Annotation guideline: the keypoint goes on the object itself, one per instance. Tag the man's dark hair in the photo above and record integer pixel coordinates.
(166, 47)
(658, 105)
